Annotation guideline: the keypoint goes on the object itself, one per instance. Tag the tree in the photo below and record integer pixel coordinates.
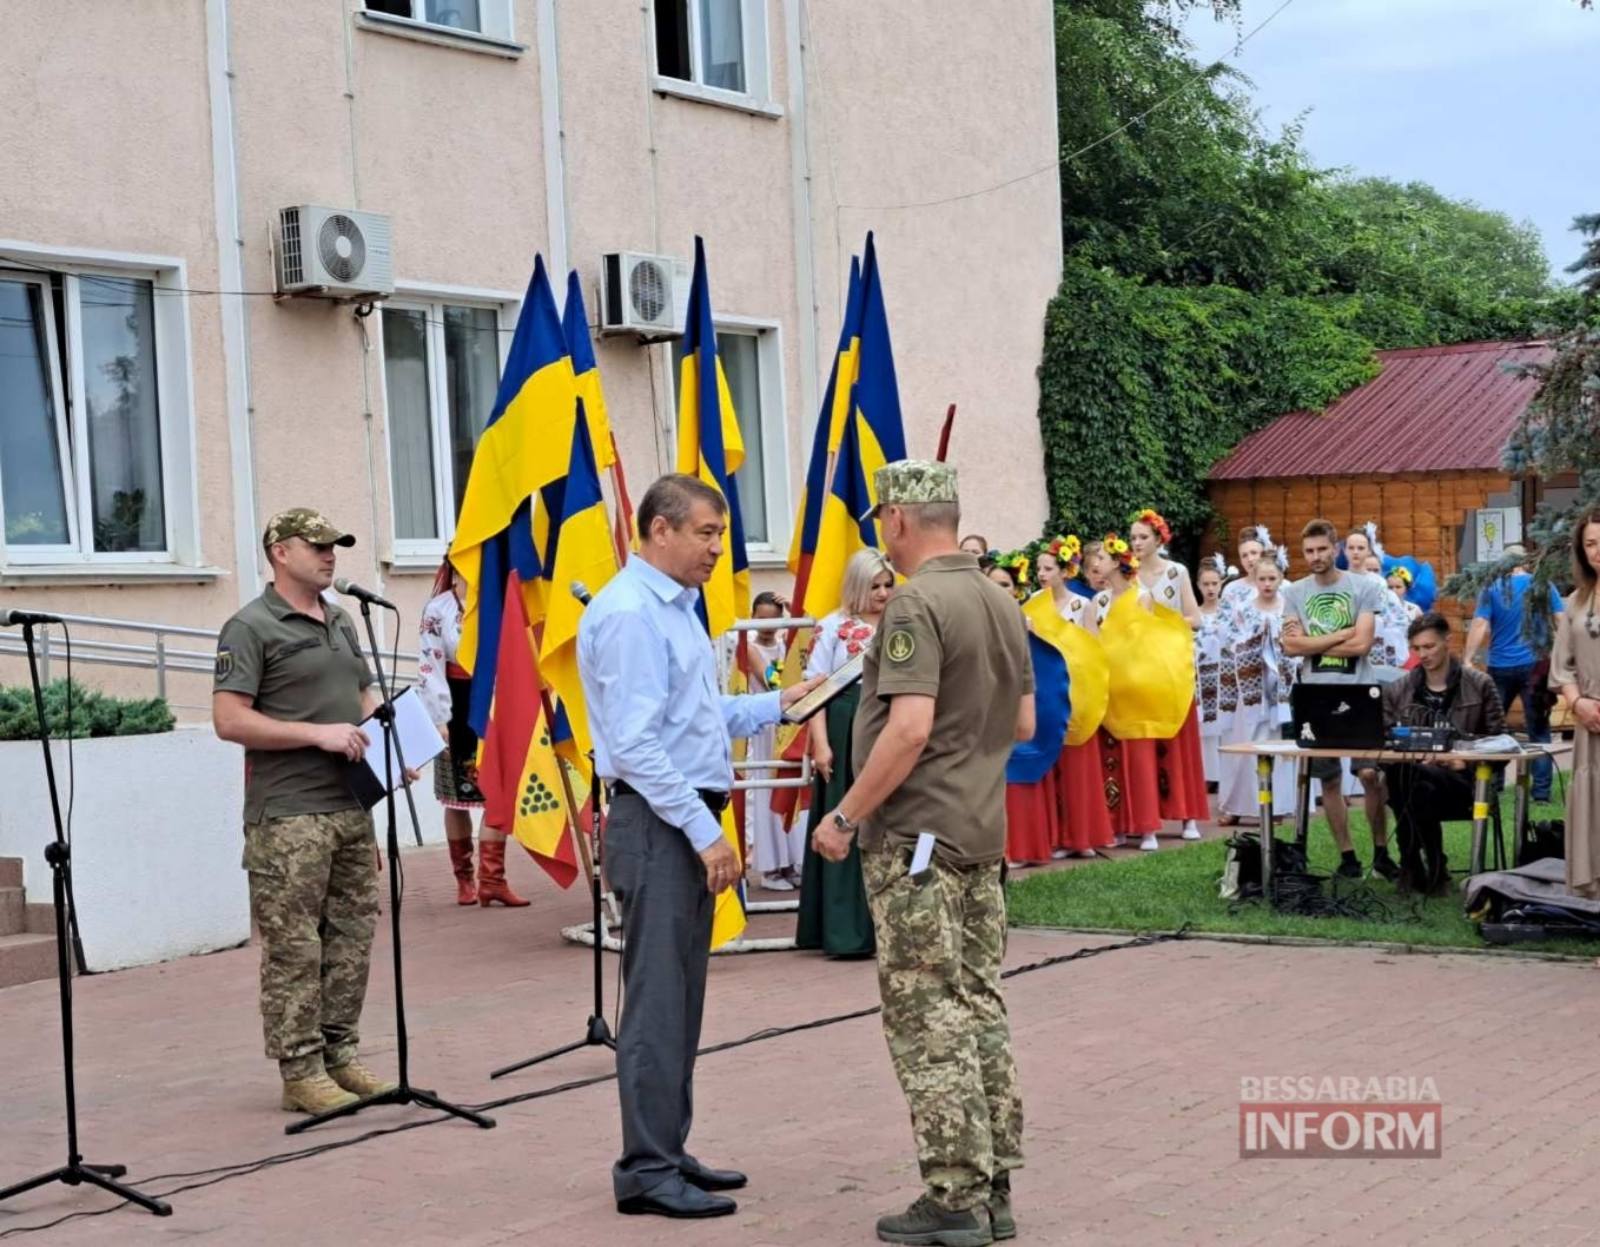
(1215, 279)
(1558, 434)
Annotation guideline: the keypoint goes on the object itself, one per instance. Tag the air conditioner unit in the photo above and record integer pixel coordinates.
(338, 252)
(646, 295)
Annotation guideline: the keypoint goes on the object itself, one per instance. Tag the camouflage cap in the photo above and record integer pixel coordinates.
(304, 522)
(908, 482)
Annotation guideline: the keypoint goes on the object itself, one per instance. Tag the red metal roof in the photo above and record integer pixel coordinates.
(1431, 409)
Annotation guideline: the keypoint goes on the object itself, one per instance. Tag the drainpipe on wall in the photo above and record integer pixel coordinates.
(555, 164)
(804, 257)
(233, 309)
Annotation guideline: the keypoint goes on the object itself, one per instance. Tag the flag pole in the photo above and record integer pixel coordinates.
(584, 855)
(944, 433)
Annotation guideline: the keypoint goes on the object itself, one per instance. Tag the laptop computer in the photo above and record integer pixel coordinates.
(1337, 716)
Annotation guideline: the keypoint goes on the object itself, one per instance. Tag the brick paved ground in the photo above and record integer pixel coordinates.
(1130, 1062)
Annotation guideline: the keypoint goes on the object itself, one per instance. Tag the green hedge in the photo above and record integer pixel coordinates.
(93, 713)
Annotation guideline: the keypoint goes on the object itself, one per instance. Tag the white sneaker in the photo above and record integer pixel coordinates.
(1149, 844)
(1057, 855)
(776, 883)
(1086, 853)
(1119, 841)
(1191, 830)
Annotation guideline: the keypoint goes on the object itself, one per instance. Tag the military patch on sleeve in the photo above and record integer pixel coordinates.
(900, 646)
(224, 662)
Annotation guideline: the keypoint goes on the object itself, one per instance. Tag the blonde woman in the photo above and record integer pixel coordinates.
(833, 899)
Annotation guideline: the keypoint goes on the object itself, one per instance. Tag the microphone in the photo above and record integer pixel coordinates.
(7, 618)
(352, 590)
(580, 591)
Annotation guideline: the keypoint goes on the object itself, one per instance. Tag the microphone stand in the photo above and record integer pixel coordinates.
(404, 1093)
(59, 854)
(598, 1033)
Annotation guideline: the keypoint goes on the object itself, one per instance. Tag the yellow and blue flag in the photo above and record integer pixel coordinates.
(525, 447)
(579, 551)
(586, 372)
(876, 398)
(711, 448)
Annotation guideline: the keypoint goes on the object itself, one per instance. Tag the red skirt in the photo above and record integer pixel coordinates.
(1033, 819)
(1085, 821)
(1130, 785)
(1182, 774)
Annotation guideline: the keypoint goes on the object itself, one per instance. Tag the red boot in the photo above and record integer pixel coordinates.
(492, 885)
(461, 863)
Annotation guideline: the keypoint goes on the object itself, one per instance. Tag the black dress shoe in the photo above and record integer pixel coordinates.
(715, 1179)
(687, 1201)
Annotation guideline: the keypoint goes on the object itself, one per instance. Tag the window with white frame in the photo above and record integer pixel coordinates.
(751, 361)
(478, 17)
(82, 473)
(717, 44)
(441, 367)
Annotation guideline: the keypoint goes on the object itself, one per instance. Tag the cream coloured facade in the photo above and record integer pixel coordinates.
(157, 403)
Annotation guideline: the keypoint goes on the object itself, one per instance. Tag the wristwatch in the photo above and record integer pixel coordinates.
(844, 824)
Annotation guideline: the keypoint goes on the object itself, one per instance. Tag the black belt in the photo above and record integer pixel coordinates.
(715, 801)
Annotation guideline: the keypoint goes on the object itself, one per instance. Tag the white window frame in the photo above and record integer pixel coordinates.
(424, 553)
(174, 409)
(498, 17)
(757, 95)
(774, 431)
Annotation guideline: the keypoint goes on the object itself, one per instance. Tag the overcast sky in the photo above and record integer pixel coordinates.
(1496, 101)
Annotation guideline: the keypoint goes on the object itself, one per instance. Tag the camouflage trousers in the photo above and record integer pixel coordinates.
(941, 938)
(314, 899)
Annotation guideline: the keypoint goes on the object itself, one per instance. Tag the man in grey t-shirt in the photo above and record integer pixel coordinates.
(1330, 623)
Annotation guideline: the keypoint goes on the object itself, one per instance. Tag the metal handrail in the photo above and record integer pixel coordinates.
(156, 656)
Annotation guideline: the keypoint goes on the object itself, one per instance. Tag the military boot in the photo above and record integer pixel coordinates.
(1000, 1218)
(358, 1080)
(925, 1224)
(316, 1094)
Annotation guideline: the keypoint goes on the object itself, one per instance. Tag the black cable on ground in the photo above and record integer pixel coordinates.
(223, 1173)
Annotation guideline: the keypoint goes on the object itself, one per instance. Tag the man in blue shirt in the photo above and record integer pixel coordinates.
(1500, 619)
(663, 746)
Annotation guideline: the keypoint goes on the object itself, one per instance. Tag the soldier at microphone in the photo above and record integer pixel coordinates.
(292, 687)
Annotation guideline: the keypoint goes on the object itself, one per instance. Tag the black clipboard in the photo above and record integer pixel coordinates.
(825, 692)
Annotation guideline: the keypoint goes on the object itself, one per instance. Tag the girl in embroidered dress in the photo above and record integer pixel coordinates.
(1252, 632)
(779, 851)
(1084, 822)
(1208, 665)
(1128, 757)
(1253, 539)
(444, 688)
(1164, 585)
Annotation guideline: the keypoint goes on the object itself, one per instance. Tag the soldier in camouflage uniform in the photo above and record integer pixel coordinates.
(292, 687)
(947, 690)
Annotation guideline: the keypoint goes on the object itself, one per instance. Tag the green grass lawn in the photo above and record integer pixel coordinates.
(1162, 891)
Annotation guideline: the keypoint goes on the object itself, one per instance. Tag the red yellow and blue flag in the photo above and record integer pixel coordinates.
(711, 448)
(525, 447)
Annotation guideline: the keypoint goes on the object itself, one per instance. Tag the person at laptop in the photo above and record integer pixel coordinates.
(1330, 621)
(1440, 692)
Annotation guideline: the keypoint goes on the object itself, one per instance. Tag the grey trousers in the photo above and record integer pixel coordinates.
(660, 883)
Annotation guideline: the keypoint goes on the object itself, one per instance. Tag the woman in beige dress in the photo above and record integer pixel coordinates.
(1575, 674)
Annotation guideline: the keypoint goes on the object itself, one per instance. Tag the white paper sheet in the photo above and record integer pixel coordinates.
(420, 741)
(922, 855)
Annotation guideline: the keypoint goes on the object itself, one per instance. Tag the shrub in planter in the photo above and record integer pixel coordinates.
(92, 713)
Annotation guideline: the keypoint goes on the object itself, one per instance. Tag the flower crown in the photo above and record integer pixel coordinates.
(1020, 567)
(1068, 551)
(1157, 524)
(1404, 574)
(1118, 550)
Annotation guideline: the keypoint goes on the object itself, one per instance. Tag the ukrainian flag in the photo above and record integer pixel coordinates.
(711, 448)
(575, 329)
(526, 446)
(579, 551)
(876, 399)
(816, 591)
